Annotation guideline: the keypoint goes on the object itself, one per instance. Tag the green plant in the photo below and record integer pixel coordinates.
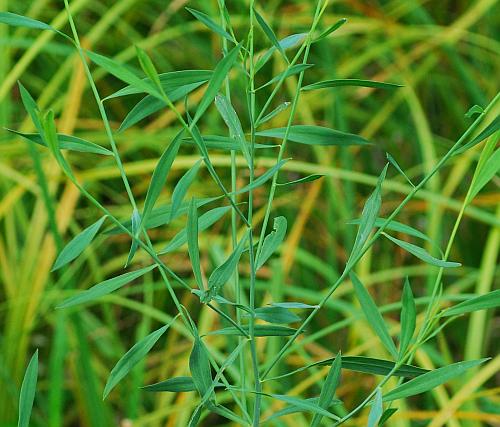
(251, 248)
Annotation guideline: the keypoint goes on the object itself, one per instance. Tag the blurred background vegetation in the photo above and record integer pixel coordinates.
(446, 53)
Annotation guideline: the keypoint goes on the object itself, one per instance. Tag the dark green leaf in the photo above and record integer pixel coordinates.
(270, 34)
(272, 241)
(280, 108)
(388, 413)
(262, 179)
(205, 221)
(431, 379)
(422, 254)
(482, 302)
(136, 223)
(78, 244)
(105, 287)
(308, 178)
(181, 188)
(192, 240)
(66, 142)
(175, 385)
(292, 305)
(475, 109)
(315, 135)
(305, 405)
(279, 315)
(288, 42)
(408, 318)
(488, 131)
(224, 143)
(395, 226)
(486, 173)
(351, 82)
(373, 316)
(294, 69)
(199, 365)
(148, 67)
(393, 162)
(28, 389)
(259, 331)
(132, 357)
(15, 20)
(330, 30)
(218, 77)
(294, 409)
(208, 22)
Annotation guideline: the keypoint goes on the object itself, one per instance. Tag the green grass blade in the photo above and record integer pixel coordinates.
(486, 173)
(351, 82)
(272, 241)
(182, 187)
(174, 385)
(294, 69)
(330, 30)
(268, 31)
(259, 331)
(136, 226)
(273, 314)
(209, 23)
(396, 226)
(482, 302)
(408, 318)
(376, 410)
(192, 240)
(199, 365)
(28, 389)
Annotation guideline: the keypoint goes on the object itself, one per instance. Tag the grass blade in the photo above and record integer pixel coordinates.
(351, 82)
(199, 365)
(209, 23)
(396, 226)
(488, 131)
(279, 109)
(272, 241)
(28, 389)
(431, 379)
(308, 178)
(376, 410)
(486, 173)
(78, 244)
(393, 162)
(330, 30)
(136, 226)
(268, 31)
(273, 314)
(192, 240)
(259, 331)
(182, 187)
(294, 69)
(175, 385)
(132, 357)
(482, 302)
(106, 287)
(422, 254)
(373, 316)
(408, 318)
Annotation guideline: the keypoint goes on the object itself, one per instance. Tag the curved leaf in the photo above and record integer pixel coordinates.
(175, 385)
(28, 390)
(351, 82)
(482, 302)
(272, 241)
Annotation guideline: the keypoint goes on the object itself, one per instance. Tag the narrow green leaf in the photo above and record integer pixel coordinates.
(220, 72)
(475, 109)
(225, 143)
(262, 179)
(388, 413)
(175, 385)
(136, 223)
(66, 142)
(291, 409)
(232, 121)
(408, 318)
(192, 240)
(422, 254)
(31, 108)
(305, 405)
(288, 42)
(351, 82)
(315, 135)
(373, 316)
(270, 34)
(106, 287)
(376, 410)
(123, 73)
(209, 23)
(28, 390)
(223, 272)
(279, 109)
(272, 314)
(272, 241)
(328, 390)
(205, 221)
(259, 331)
(482, 302)
(292, 305)
(486, 173)
(181, 188)
(15, 20)
(132, 357)
(160, 176)
(431, 379)
(294, 69)
(330, 30)
(78, 244)
(396, 226)
(308, 178)
(393, 162)
(148, 67)
(368, 216)
(488, 131)
(199, 365)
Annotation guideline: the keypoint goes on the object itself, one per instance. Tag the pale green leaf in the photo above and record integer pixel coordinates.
(272, 241)
(28, 390)
(482, 302)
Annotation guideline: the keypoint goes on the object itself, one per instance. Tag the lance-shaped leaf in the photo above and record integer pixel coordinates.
(482, 302)
(293, 305)
(472, 111)
(328, 390)
(66, 142)
(315, 135)
(488, 131)
(225, 143)
(376, 410)
(259, 331)
(15, 20)
(388, 413)
(105, 288)
(199, 365)
(408, 318)
(308, 178)
(291, 409)
(124, 73)
(148, 68)
(132, 357)
(431, 379)
(422, 253)
(395, 226)
(330, 30)
(279, 109)
(272, 241)
(288, 42)
(77, 245)
(28, 389)
(209, 23)
(220, 72)
(368, 217)
(174, 385)
(394, 163)
(135, 223)
(262, 179)
(192, 240)
(223, 272)
(351, 82)
(486, 173)
(373, 316)
(204, 221)
(160, 176)
(275, 314)
(232, 121)
(294, 69)
(268, 31)
(182, 187)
